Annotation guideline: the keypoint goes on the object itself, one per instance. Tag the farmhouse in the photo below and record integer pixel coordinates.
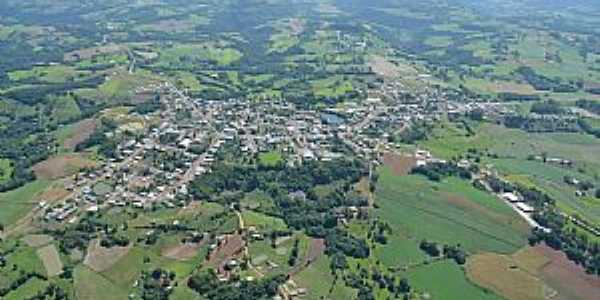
(525, 207)
(511, 197)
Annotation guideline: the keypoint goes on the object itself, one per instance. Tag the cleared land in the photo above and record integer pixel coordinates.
(88, 285)
(77, 133)
(37, 240)
(51, 260)
(320, 283)
(533, 273)
(183, 252)
(61, 166)
(100, 259)
(17, 203)
(401, 164)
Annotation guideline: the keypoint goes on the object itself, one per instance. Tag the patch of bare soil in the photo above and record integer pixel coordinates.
(182, 252)
(383, 67)
(61, 166)
(401, 164)
(83, 130)
(233, 245)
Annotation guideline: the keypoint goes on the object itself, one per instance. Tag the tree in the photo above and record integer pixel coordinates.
(404, 287)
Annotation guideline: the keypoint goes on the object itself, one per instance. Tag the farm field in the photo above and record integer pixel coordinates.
(89, 284)
(262, 222)
(445, 280)
(319, 282)
(271, 149)
(51, 260)
(62, 165)
(17, 203)
(448, 212)
(549, 178)
(531, 273)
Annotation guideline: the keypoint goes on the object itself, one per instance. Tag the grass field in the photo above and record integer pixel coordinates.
(258, 200)
(17, 203)
(6, 169)
(270, 158)
(50, 74)
(99, 258)
(400, 250)
(503, 275)
(262, 222)
(88, 285)
(63, 109)
(332, 87)
(446, 280)
(69, 136)
(28, 290)
(449, 140)
(221, 55)
(448, 212)
(549, 178)
(37, 240)
(262, 252)
(318, 280)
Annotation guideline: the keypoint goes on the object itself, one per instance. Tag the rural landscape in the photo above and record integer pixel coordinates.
(300, 149)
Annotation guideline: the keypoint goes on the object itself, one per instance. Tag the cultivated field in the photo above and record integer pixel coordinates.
(100, 259)
(49, 256)
(449, 212)
(61, 166)
(532, 273)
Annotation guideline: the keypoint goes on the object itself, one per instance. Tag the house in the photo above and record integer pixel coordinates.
(511, 197)
(525, 207)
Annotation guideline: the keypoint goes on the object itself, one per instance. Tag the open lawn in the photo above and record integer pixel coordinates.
(262, 222)
(17, 203)
(270, 158)
(448, 212)
(49, 74)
